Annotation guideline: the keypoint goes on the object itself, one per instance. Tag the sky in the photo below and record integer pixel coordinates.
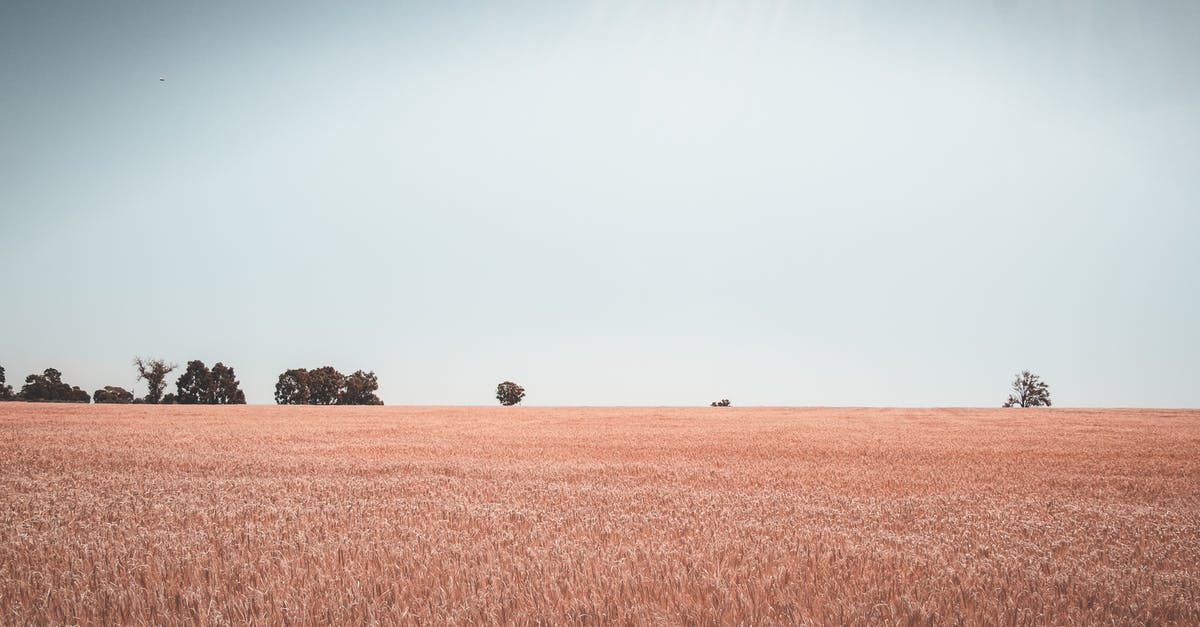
(611, 203)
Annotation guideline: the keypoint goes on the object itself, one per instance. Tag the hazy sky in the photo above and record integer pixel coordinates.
(794, 203)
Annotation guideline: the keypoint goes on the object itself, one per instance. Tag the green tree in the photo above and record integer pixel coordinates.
(292, 387)
(43, 387)
(112, 394)
(200, 386)
(225, 386)
(49, 387)
(1028, 391)
(6, 391)
(509, 393)
(359, 389)
(195, 385)
(325, 385)
(154, 372)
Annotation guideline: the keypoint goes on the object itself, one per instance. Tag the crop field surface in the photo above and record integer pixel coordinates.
(483, 515)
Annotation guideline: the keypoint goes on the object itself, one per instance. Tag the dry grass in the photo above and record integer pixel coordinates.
(145, 515)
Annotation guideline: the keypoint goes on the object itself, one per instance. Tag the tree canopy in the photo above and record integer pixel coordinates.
(1028, 391)
(154, 372)
(326, 386)
(292, 387)
(509, 393)
(200, 386)
(359, 389)
(6, 391)
(112, 394)
(50, 387)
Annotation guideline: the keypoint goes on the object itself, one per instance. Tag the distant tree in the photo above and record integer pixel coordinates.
(49, 387)
(292, 387)
(200, 386)
(1028, 391)
(43, 387)
(509, 393)
(194, 386)
(154, 372)
(359, 389)
(324, 385)
(721, 403)
(111, 394)
(6, 391)
(225, 386)
(167, 399)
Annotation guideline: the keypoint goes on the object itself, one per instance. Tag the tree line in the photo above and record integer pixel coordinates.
(326, 386)
(200, 385)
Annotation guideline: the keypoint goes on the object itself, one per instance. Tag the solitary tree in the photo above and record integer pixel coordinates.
(112, 394)
(154, 372)
(359, 389)
(1028, 391)
(509, 393)
(721, 403)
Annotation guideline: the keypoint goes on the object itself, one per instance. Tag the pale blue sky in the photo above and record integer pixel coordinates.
(792, 203)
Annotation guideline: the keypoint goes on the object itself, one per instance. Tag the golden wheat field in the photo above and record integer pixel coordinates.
(481, 515)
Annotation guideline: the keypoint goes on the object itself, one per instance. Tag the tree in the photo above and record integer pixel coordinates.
(194, 386)
(6, 391)
(200, 386)
(292, 387)
(154, 372)
(49, 387)
(359, 389)
(721, 403)
(43, 387)
(509, 393)
(1028, 391)
(324, 385)
(225, 387)
(111, 394)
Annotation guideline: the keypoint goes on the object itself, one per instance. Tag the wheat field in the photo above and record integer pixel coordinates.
(169, 515)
